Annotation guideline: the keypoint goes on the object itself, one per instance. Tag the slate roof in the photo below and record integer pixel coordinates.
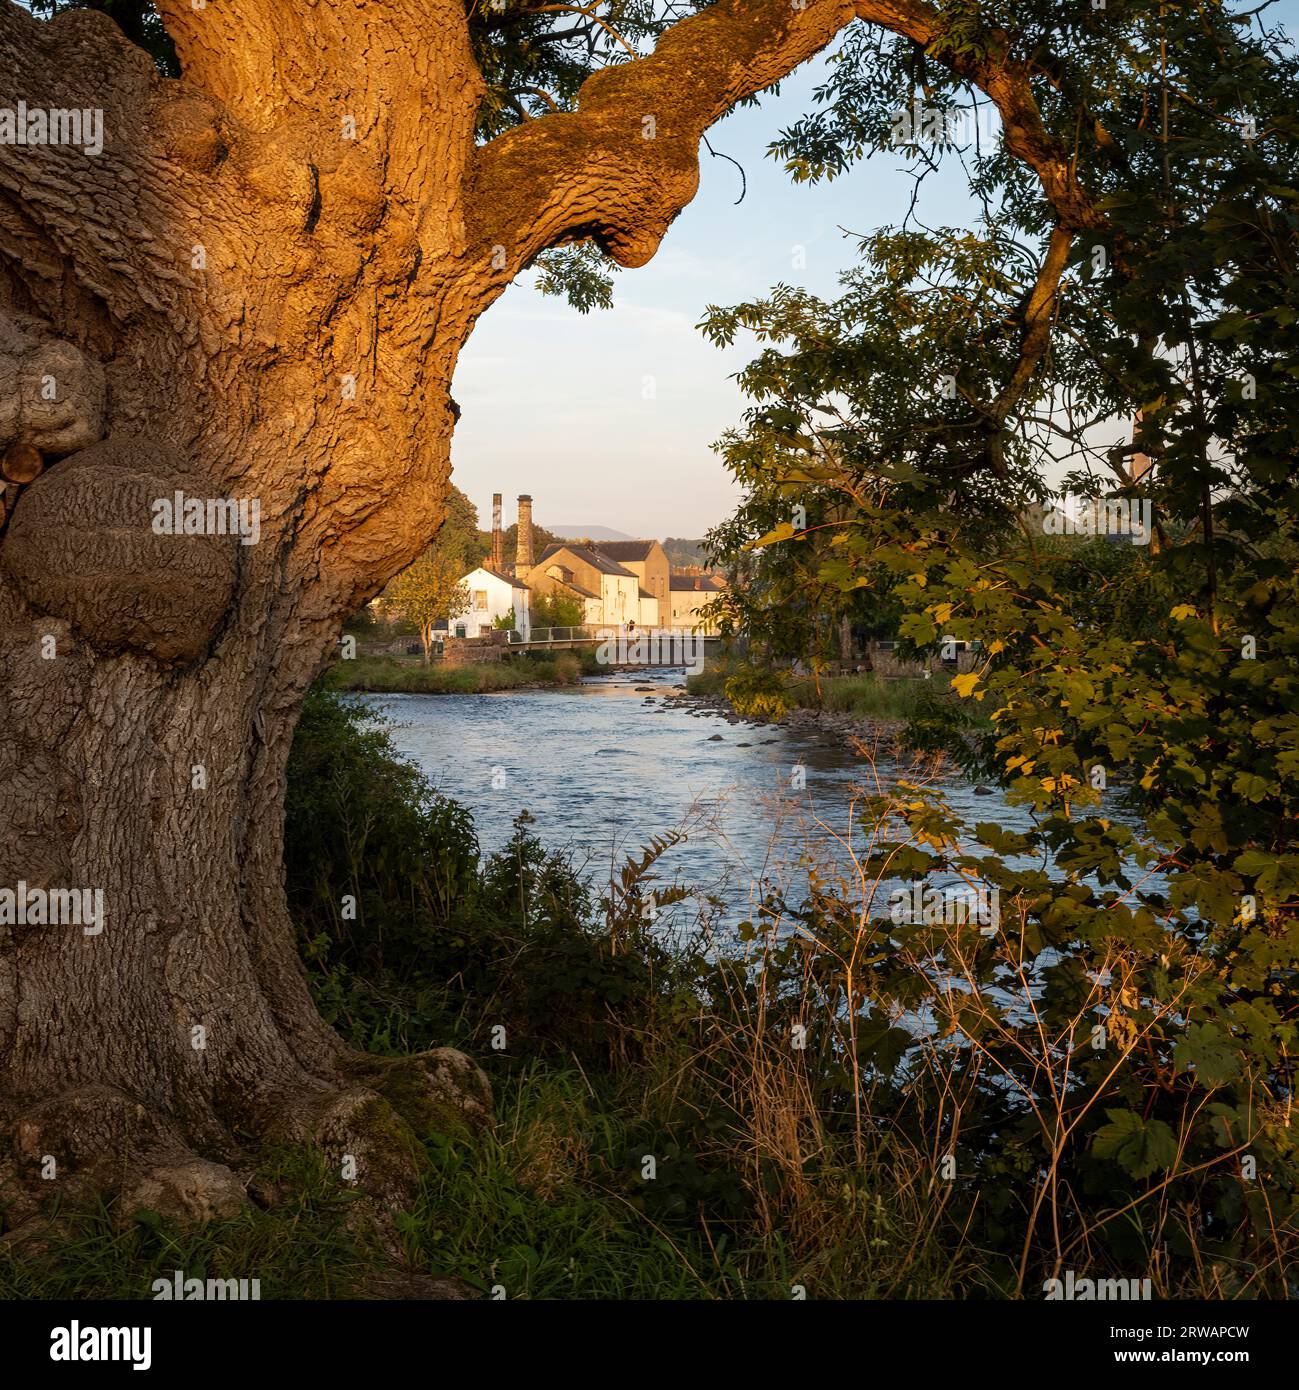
(625, 550)
(694, 583)
(589, 555)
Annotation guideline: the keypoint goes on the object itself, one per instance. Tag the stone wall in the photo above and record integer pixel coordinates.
(462, 651)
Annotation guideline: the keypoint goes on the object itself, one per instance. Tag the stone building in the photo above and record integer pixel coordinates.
(616, 582)
(610, 593)
(689, 594)
(648, 561)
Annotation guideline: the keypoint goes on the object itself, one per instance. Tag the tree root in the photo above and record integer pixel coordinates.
(97, 1142)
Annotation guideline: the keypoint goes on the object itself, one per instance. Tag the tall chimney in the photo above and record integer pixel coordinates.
(498, 536)
(523, 562)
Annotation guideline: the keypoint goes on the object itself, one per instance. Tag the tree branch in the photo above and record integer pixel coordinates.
(398, 73)
(1037, 318)
(622, 166)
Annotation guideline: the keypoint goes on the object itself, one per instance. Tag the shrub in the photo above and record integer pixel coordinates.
(758, 693)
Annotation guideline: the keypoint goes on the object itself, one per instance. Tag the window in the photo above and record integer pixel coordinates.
(480, 600)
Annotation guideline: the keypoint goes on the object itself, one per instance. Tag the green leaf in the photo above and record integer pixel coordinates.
(1138, 1146)
(1209, 1051)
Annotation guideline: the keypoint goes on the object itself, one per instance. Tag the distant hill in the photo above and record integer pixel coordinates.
(591, 533)
(686, 553)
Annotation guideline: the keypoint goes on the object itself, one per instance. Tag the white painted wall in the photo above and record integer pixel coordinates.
(491, 597)
(620, 599)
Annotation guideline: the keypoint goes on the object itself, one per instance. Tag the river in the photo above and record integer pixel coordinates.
(603, 767)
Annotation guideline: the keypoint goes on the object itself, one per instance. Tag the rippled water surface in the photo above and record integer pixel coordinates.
(606, 766)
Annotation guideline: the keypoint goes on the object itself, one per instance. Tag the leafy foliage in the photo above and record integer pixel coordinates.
(582, 274)
(1140, 700)
(557, 610)
(758, 693)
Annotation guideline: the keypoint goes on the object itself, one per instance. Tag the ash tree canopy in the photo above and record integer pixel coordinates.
(1135, 693)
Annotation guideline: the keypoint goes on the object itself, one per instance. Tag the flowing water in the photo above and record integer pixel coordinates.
(605, 766)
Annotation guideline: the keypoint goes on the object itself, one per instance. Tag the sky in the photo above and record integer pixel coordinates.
(553, 401)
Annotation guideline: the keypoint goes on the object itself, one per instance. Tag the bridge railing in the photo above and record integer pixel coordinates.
(588, 632)
(600, 632)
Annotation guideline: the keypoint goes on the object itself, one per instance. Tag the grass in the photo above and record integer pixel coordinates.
(406, 676)
(867, 696)
(550, 1205)
(300, 1248)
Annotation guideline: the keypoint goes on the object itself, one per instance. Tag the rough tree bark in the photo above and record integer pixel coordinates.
(259, 289)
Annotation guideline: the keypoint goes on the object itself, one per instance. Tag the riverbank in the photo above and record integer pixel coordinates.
(853, 709)
(848, 729)
(392, 675)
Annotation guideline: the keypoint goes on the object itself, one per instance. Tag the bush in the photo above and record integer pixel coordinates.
(372, 854)
(758, 693)
(392, 903)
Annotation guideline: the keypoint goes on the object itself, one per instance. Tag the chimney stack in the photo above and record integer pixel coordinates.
(498, 536)
(523, 562)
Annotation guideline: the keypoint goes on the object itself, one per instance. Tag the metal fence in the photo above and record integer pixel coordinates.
(585, 633)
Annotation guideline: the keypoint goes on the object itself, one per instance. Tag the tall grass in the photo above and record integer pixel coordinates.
(867, 696)
(395, 675)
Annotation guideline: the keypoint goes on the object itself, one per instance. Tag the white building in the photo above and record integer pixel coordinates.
(492, 595)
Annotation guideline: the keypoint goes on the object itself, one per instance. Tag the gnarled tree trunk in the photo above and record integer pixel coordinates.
(258, 290)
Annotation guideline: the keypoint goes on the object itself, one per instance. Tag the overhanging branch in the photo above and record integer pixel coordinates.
(622, 166)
